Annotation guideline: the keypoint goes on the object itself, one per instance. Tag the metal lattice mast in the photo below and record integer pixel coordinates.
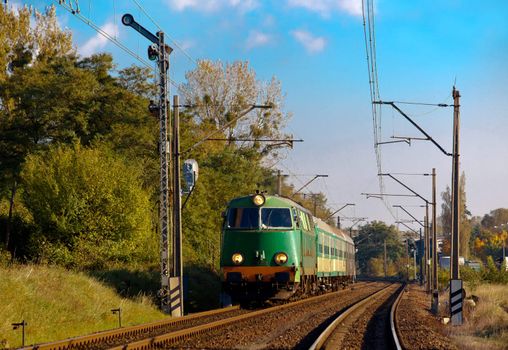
(165, 219)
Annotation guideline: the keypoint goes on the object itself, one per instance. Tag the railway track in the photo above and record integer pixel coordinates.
(291, 325)
(115, 337)
(286, 326)
(369, 323)
(179, 338)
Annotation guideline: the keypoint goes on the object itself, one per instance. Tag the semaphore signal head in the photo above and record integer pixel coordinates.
(153, 52)
(127, 19)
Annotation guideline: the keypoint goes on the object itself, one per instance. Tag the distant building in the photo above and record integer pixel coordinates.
(444, 261)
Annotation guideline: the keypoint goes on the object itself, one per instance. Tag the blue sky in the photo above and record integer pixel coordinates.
(316, 49)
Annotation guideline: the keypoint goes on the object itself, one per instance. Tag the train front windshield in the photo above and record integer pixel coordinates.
(244, 218)
(276, 218)
(249, 218)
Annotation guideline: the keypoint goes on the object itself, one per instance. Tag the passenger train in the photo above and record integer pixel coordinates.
(272, 248)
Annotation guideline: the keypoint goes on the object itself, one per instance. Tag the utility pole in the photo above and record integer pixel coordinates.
(427, 250)
(384, 260)
(435, 291)
(422, 258)
(279, 182)
(407, 259)
(176, 281)
(455, 282)
(414, 263)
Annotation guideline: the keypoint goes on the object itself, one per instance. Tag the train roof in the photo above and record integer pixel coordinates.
(334, 230)
(271, 200)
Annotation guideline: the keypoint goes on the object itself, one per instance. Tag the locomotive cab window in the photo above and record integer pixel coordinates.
(276, 218)
(245, 218)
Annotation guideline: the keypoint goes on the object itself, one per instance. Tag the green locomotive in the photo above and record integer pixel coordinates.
(272, 247)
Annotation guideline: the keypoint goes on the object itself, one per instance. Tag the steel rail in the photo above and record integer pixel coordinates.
(325, 335)
(94, 338)
(173, 337)
(393, 323)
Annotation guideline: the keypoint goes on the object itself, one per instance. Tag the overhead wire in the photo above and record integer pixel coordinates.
(370, 50)
(108, 36)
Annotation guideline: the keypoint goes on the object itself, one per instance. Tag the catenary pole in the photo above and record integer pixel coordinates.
(160, 51)
(279, 183)
(427, 250)
(164, 141)
(384, 260)
(422, 257)
(176, 291)
(455, 189)
(435, 291)
(455, 282)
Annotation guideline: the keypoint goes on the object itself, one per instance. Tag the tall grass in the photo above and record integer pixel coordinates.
(57, 304)
(486, 324)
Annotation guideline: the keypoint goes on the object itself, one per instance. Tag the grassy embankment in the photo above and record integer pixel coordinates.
(57, 304)
(486, 324)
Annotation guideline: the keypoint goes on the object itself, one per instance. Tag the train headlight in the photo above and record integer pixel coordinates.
(258, 200)
(281, 258)
(237, 258)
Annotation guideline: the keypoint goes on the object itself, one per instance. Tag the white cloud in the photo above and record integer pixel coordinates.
(326, 7)
(212, 5)
(256, 38)
(311, 43)
(187, 44)
(98, 42)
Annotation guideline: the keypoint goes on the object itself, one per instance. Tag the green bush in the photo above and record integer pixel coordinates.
(443, 278)
(471, 276)
(494, 275)
(88, 206)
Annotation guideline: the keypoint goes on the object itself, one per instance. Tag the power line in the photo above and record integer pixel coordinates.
(90, 23)
(370, 50)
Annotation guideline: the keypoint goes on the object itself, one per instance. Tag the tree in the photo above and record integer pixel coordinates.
(22, 45)
(465, 226)
(84, 200)
(23, 42)
(220, 93)
(370, 244)
(65, 101)
(497, 217)
(138, 80)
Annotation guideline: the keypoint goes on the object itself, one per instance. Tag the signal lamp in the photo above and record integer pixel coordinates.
(237, 258)
(281, 258)
(258, 200)
(153, 52)
(153, 108)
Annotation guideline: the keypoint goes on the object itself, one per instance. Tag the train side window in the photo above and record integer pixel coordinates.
(295, 217)
(311, 223)
(304, 221)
